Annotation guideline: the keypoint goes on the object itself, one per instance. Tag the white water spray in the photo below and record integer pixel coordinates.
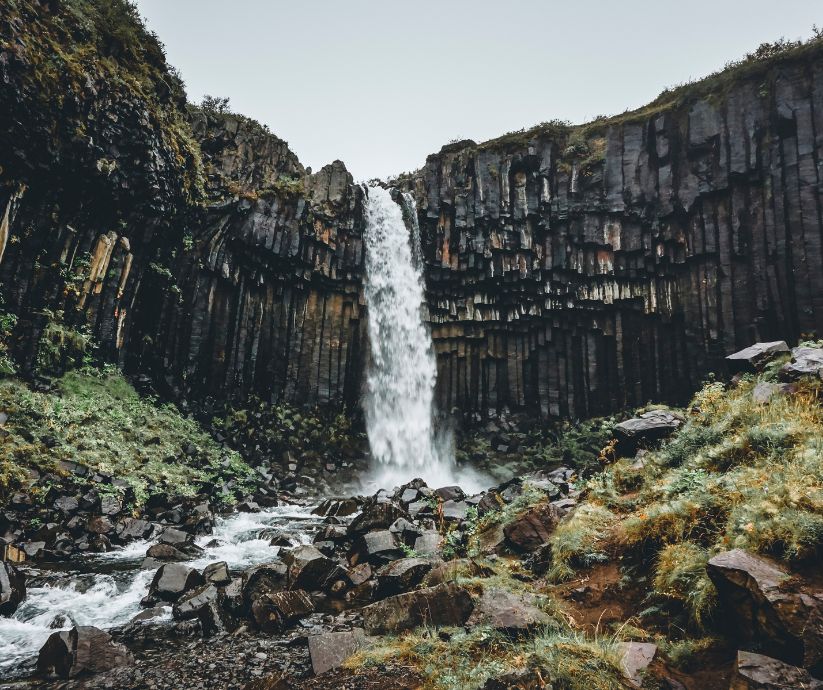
(399, 400)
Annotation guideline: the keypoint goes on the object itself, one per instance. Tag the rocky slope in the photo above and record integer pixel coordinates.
(570, 271)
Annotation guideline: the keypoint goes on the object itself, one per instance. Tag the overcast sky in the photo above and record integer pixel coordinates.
(380, 84)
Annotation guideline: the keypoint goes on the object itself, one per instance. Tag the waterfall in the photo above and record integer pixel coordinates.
(402, 371)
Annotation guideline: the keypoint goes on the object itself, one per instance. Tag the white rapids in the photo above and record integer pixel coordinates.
(109, 592)
(402, 370)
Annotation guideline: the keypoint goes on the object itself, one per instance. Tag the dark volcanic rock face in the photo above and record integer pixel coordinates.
(570, 270)
(577, 272)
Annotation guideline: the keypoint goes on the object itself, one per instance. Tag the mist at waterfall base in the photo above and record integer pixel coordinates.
(402, 370)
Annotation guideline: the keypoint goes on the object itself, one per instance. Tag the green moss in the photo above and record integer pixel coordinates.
(96, 419)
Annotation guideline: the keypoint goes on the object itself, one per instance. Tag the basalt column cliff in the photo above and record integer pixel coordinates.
(569, 270)
(577, 270)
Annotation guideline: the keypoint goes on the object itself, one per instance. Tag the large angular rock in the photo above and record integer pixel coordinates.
(650, 426)
(401, 575)
(132, 528)
(274, 612)
(329, 650)
(758, 672)
(180, 540)
(165, 552)
(172, 580)
(509, 612)
(762, 604)
(307, 568)
(83, 649)
(377, 516)
(446, 604)
(376, 547)
(635, 658)
(755, 357)
(263, 579)
(806, 362)
(217, 573)
(12, 588)
(337, 507)
(533, 528)
(204, 604)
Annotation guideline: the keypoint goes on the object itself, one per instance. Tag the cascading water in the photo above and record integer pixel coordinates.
(108, 589)
(399, 400)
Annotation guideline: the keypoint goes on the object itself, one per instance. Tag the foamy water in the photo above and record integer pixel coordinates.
(402, 370)
(112, 598)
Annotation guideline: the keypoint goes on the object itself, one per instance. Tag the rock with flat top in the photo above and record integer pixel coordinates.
(81, 650)
(755, 357)
(508, 612)
(649, 427)
(446, 604)
(635, 658)
(807, 362)
(763, 604)
(329, 650)
(758, 672)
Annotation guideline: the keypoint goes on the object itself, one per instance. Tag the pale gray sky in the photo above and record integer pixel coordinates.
(380, 83)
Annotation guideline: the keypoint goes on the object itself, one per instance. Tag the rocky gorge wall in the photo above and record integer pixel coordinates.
(570, 271)
(578, 270)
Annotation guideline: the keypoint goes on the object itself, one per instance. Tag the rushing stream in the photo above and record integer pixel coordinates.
(105, 590)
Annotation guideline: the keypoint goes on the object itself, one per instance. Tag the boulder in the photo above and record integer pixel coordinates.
(165, 552)
(329, 650)
(359, 574)
(248, 507)
(110, 505)
(83, 649)
(758, 672)
(533, 528)
(509, 612)
(401, 575)
(132, 528)
(806, 362)
(180, 540)
(455, 511)
(635, 658)
(275, 611)
(446, 604)
(67, 505)
(449, 493)
(492, 539)
(217, 573)
(12, 588)
(262, 579)
(376, 516)
(307, 568)
(764, 605)
(428, 543)
(172, 580)
(648, 427)
(755, 357)
(204, 604)
(376, 547)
